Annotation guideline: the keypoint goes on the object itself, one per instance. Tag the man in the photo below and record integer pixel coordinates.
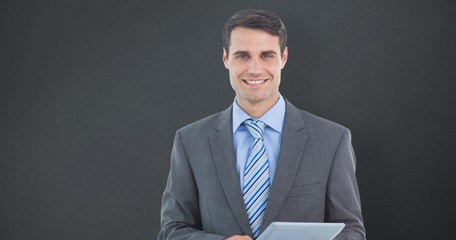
(262, 159)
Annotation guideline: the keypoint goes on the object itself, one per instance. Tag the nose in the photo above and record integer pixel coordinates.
(254, 67)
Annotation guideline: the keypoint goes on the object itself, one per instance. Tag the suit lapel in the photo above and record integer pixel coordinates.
(221, 141)
(291, 150)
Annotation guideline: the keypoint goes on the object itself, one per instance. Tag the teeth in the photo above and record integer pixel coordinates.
(255, 81)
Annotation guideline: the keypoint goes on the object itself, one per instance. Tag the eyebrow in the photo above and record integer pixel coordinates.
(240, 52)
(269, 52)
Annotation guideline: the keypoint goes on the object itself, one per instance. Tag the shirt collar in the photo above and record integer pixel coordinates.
(273, 117)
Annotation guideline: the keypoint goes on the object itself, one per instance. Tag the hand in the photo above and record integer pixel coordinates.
(239, 237)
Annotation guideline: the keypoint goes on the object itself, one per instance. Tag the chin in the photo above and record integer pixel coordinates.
(255, 100)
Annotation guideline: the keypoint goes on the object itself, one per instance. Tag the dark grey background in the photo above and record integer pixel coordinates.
(92, 92)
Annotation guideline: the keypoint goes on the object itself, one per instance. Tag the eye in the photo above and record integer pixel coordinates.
(268, 55)
(242, 56)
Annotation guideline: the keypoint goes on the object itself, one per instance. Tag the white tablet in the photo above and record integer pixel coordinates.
(301, 231)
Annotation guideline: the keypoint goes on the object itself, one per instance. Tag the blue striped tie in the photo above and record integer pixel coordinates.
(256, 177)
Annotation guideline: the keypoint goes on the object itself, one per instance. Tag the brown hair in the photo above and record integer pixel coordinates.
(256, 19)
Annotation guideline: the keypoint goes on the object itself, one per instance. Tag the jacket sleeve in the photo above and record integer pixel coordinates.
(180, 212)
(343, 201)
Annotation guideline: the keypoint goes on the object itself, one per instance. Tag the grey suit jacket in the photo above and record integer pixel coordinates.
(314, 180)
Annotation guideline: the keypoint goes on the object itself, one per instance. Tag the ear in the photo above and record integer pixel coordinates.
(284, 57)
(225, 58)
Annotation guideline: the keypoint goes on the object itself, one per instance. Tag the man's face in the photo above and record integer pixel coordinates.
(254, 63)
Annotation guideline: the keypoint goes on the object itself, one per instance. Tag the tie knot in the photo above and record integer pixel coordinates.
(255, 127)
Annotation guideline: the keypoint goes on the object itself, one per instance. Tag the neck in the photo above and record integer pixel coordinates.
(257, 109)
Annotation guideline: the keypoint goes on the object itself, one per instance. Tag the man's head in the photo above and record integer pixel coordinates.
(254, 53)
(256, 19)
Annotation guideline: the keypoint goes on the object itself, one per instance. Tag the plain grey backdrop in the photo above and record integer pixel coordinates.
(92, 93)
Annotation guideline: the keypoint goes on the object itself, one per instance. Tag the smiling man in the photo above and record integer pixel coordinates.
(254, 60)
(261, 160)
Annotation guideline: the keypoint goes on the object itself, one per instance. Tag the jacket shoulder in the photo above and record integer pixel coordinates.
(313, 121)
(202, 125)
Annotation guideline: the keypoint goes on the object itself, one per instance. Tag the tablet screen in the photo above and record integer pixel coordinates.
(301, 231)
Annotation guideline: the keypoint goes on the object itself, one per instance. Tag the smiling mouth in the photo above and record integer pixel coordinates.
(255, 82)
